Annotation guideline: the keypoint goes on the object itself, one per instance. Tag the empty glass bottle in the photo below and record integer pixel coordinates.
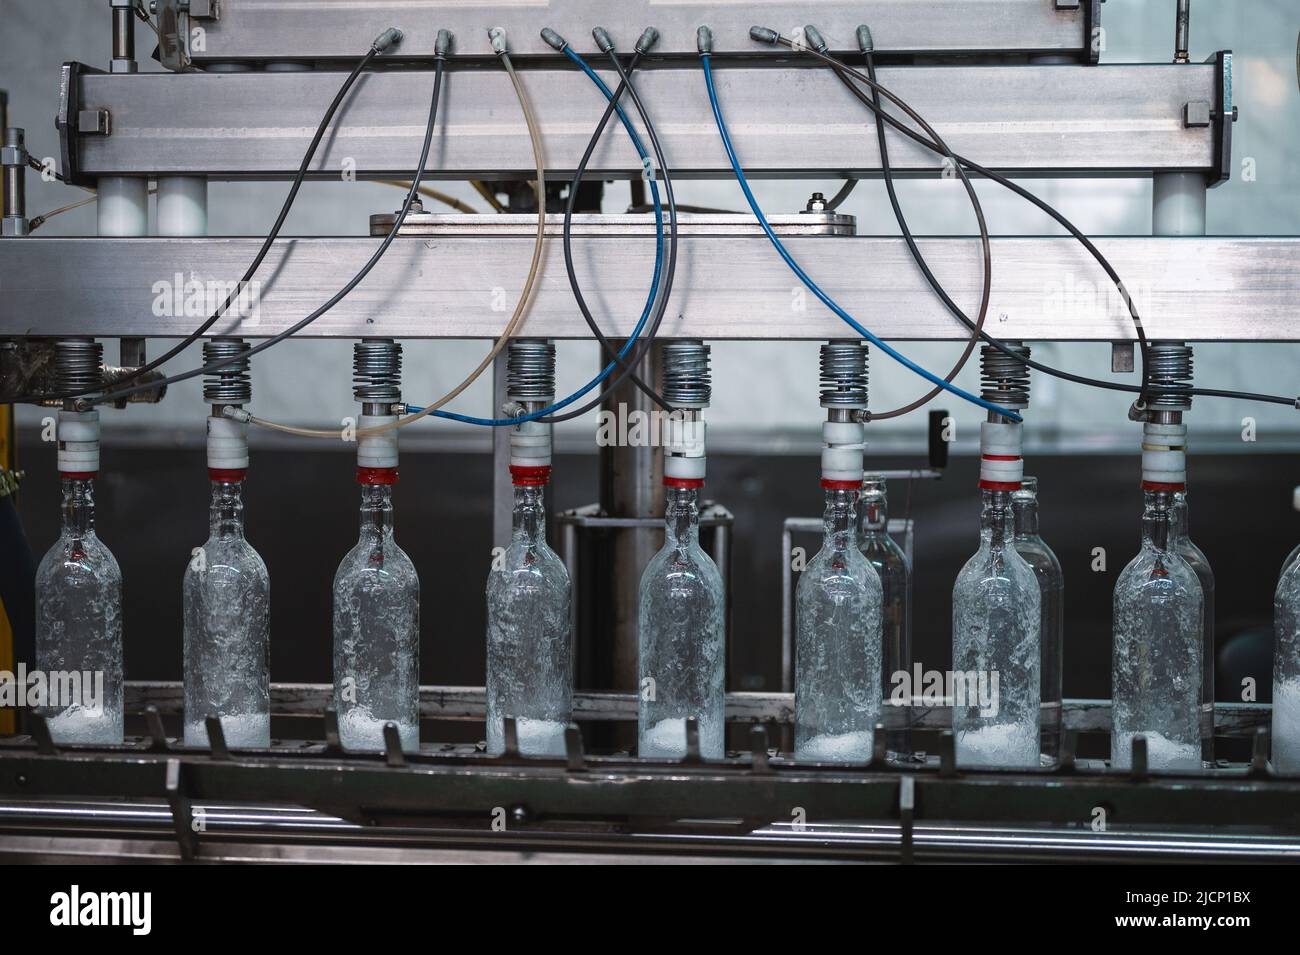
(1286, 669)
(837, 607)
(1051, 589)
(997, 616)
(681, 639)
(529, 635)
(1156, 665)
(227, 633)
(895, 575)
(377, 632)
(1196, 559)
(79, 625)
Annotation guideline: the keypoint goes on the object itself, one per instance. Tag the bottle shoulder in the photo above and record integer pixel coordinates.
(87, 557)
(682, 567)
(1154, 570)
(360, 564)
(999, 568)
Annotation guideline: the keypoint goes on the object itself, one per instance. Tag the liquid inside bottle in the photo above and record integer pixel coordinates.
(997, 616)
(377, 632)
(1158, 639)
(226, 592)
(838, 603)
(79, 626)
(1051, 591)
(529, 636)
(1286, 669)
(681, 639)
(1200, 565)
(895, 573)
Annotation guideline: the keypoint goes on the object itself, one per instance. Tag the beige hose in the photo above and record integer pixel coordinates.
(521, 309)
(430, 193)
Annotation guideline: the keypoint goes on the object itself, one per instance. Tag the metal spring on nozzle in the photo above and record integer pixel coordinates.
(530, 370)
(78, 365)
(1004, 380)
(844, 374)
(686, 373)
(1170, 376)
(377, 370)
(230, 385)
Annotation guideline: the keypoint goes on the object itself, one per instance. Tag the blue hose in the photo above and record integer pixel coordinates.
(812, 286)
(650, 300)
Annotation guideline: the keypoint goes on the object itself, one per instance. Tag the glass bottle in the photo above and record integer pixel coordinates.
(997, 615)
(1051, 590)
(377, 632)
(1156, 664)
(79, 625)
(529, 635)
(227, 633)
(1200, 565)
(895, 575)
(1286, 669)
(838, 608)
(681, 639)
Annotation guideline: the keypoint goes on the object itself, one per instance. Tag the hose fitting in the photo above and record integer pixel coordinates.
(763, 34)
(865, 43)
(389, 38)
(604, 42)
(498, 38)
(649, 37)
(552, 39)
(814, 39)
(704, 41)
(442, 45)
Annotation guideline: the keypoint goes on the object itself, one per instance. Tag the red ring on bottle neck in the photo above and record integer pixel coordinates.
(376, 475)
(78, 475)
(538, 476)
(999, 485)
(687, 484)
(829, 485)
(1158, 486)
(228, 475)
(1000, 457)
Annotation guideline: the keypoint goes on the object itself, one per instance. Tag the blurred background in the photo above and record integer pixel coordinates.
(764, 425)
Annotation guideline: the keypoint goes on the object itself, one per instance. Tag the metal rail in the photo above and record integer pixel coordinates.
(789, 121)
(727, 287)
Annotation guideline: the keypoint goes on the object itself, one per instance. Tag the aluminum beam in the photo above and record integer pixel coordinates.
(791, 121)
(1196, 289)
(331, 29)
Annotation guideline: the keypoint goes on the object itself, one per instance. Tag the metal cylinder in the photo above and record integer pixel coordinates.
(530, 370)
(1170, 376)
(1004, 380)
(1178, 204)
(15, 182)
(123, 37)
(78, 365)
(1183, 32)
(844, 374)
(377, 371)
(231, 384)
(687, 381)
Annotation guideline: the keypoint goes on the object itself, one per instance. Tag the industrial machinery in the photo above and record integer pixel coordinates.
(608, 723)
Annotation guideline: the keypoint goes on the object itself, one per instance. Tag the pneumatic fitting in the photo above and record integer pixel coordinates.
(844, 394)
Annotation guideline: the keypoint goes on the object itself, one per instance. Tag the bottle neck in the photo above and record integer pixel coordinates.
(873, 506)
(226, 513)
(78, 507)
(838, 520)
(1157, 526)
(529, 518)
(376, 511)
(996, 529)
(682, 517)
(1178, 517)
(1024, 508)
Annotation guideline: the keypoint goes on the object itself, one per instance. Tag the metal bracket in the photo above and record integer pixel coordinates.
(68, 121)
(573, 754)
(393, 754)
(1139, 769)
(182, 811)
(1223, 116)
(156, 736)
(758, 749)
(1121, 357)
(41, 733)
(94, 122)
(906, 818)
(333, 743)
(217, 739)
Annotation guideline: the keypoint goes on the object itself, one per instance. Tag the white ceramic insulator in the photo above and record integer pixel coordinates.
(691, 469)
(845, 444)
(1164, 453)
(122, 205)
(377, 450)
(684, 437)
(182, 205)
(1001, 439)
(78, 434)
(530, 445)
(227, 444)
